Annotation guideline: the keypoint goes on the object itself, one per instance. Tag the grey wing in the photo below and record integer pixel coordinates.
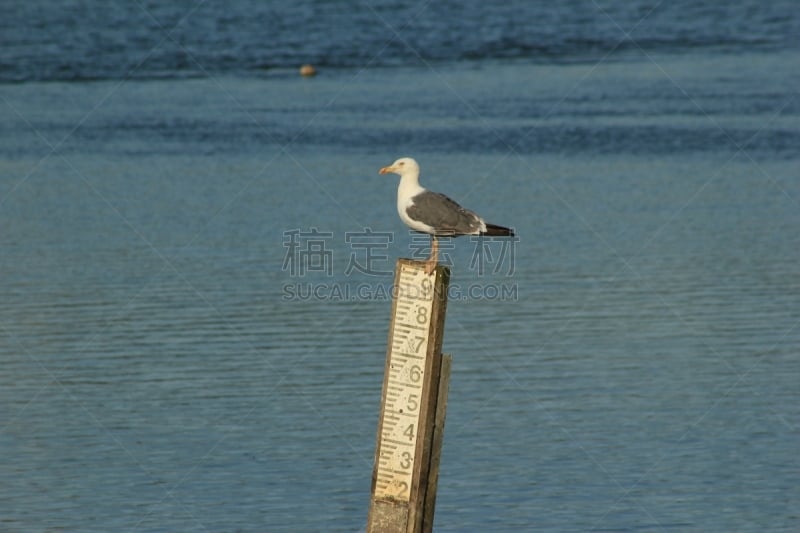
(444, 214)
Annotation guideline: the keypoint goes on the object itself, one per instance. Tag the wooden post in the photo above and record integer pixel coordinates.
(413, 403)
(438, 436)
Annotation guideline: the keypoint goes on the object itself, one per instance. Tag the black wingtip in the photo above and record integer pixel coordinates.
(494, 230)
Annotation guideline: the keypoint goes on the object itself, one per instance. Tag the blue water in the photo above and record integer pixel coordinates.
(168, 364)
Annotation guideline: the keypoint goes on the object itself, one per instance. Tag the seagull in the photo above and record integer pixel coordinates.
(434, 213)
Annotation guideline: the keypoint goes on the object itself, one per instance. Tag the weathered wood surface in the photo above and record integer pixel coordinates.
(410, 425)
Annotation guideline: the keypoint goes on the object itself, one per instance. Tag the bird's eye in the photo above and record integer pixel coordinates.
(402, 163)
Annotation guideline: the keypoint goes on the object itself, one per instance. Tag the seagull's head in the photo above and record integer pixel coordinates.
(404, 166)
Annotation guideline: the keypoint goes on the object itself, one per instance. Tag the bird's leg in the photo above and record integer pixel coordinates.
(430, 266)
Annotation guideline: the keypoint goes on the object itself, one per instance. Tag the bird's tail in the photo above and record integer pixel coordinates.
(499, 231)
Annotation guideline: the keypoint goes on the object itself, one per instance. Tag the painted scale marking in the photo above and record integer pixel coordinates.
(401, 409)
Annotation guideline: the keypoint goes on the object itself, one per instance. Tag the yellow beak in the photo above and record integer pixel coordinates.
(386, 170)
